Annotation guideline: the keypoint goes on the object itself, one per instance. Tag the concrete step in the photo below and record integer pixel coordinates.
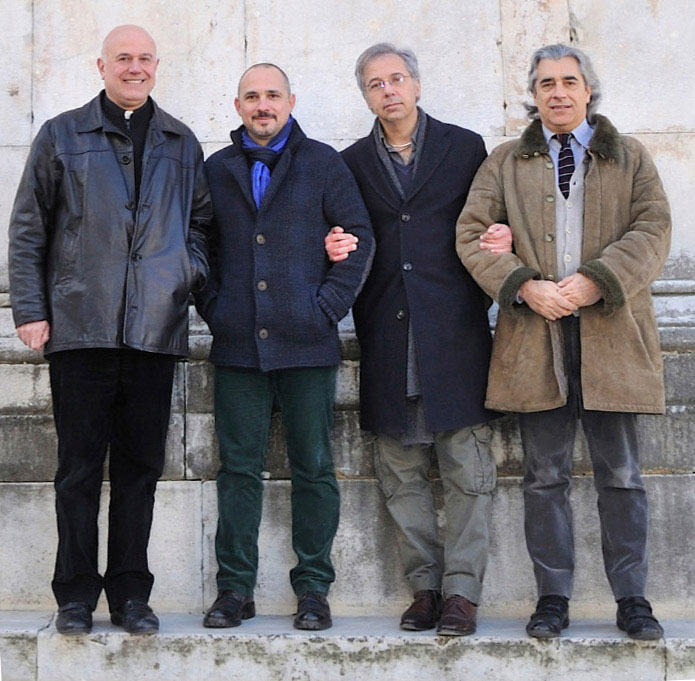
(369, 573)
(267, 648)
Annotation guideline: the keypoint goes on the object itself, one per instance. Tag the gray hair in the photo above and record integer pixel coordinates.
(557, 52)
(379, 49)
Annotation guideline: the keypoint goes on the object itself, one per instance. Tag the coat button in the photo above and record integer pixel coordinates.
(405, 217)
(549, 237)
(136, 257)
(400, 314)
(536, 153)
(260, 239)
(549, 164)
(407, 266)
(550, 198)
(263, 333)
(125, 160)
(551, 277)
(262, 285)
(130, 205)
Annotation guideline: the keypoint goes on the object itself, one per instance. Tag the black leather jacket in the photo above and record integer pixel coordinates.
(102, 271)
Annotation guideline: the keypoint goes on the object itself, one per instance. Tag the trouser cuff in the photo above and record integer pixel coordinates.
(462, 585)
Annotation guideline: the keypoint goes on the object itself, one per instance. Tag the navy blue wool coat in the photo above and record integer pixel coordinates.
(417, 276)
(273, 300)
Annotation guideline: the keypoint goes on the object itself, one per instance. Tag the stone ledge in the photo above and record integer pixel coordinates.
(267, 648)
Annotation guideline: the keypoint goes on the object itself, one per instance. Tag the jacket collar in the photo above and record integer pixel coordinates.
(434, 149)
(238, 167)
(92, 117)
(604, 143)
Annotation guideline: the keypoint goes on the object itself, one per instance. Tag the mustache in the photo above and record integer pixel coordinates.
(264, 114)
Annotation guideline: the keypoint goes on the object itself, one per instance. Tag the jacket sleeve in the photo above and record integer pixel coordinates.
(30, 230)
(199, 226)
(343, 205)
(500, 276)
(634, 261)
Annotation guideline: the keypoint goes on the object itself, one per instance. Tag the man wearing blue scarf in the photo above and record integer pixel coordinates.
(273, 302)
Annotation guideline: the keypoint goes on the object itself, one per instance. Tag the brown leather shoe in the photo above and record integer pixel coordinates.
(424, 611)
(458, 617)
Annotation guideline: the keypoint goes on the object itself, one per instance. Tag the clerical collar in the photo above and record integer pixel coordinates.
(117, 115)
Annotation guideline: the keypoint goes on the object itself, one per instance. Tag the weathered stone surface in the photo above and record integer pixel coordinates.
(680, 651)
(365, 648)
(525, 27)
(11, 165)
(637, 62)
(18, 649)
(674, 155)
(200, 52)
(15, 81)
(317, 64)
(28, 448)
(28, 542)
(352, 448)
(25, 389)
(366, 558)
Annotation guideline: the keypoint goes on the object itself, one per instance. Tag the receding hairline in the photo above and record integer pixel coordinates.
(115, 32)
(266, 65)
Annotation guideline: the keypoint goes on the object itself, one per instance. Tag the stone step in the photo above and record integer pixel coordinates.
(369, 573)
(28, 442)
(372, 648)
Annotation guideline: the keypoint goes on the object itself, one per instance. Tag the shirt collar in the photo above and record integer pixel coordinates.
(582, 133)
(416, 132)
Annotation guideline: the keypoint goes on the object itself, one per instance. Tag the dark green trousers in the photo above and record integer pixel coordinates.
(243, 404)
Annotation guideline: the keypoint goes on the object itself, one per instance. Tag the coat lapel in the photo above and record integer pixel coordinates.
(276, 179)
(380, 181)
(239, 170)
(434, 149)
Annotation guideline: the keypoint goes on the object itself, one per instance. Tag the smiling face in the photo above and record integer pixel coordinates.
(561, 94)
(264, 102)
(391, 103)
(128, 65)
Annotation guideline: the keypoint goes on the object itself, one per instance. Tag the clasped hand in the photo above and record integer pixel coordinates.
(553, 301)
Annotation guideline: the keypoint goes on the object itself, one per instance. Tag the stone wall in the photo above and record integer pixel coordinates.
(473, 58)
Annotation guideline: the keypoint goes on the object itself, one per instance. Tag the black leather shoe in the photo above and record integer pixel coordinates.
(74, 618)
(313, 611)
(424, 611)
(229, 609)
(636, 620)
(550, 618)
(136, 617)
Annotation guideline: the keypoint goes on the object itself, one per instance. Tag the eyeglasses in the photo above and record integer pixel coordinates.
(396, 80)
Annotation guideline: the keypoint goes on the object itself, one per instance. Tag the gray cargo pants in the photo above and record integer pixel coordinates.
(468, 476)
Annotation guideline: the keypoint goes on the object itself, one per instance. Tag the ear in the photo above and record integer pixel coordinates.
(237, 106)
(293, 99)
(100, 66)
(588, 93)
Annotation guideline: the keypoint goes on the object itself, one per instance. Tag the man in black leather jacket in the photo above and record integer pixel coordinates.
(107, 240)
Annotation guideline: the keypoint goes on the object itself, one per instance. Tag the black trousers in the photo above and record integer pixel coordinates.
(548, 440)
(115, 399)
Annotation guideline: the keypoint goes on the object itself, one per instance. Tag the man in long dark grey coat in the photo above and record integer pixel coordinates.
(425, 341)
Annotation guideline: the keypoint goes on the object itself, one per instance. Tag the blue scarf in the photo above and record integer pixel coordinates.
(264, 159)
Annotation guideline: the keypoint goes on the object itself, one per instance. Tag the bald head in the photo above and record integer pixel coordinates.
(265, 66)
(128, 65)
(127, 32)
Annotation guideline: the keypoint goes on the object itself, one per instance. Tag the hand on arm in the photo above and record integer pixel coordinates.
(339, 244)
(496, 239)
(34, 334)
(580, 290)
(545, 298)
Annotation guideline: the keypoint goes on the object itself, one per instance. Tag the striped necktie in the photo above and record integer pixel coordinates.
(565, 163)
